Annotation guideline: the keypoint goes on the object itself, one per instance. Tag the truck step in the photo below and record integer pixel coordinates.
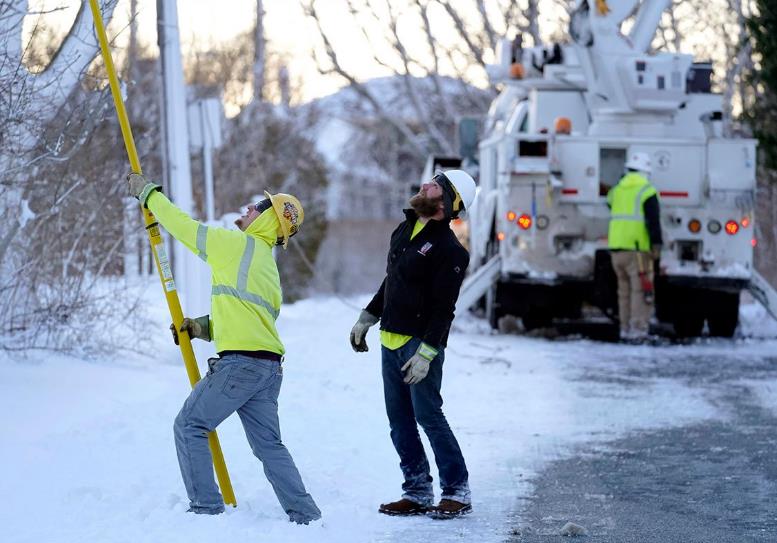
(764, 293)
(476, 285)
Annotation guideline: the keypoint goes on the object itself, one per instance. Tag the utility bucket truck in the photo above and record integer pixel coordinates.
(555, 141)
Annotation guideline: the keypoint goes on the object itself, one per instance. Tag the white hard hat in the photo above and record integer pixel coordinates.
(465, 187)
(639, 162)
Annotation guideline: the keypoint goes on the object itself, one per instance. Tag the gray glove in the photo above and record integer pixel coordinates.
(140, 188)
(196, 328)
(359, 331)
(655, 251)
(418, 365)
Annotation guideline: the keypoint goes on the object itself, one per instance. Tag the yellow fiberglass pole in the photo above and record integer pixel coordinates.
(160, 255)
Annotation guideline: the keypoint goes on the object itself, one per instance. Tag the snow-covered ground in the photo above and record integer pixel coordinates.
(87, 452)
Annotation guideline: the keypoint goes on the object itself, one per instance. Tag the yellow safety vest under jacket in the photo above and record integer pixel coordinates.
(627, 213)
(246, 289)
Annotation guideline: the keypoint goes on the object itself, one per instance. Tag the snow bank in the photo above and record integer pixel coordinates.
(756, 322)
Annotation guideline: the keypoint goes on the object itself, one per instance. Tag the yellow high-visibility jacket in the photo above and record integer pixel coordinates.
(246, 289)
(627, 230)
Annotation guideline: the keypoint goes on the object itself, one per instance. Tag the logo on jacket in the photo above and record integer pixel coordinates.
(291, 214)
(425, 249)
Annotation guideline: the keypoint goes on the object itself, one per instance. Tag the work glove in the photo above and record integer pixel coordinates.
(655, 251)
(418, 365)
(359, 331)
(140, 188)
(196, 328)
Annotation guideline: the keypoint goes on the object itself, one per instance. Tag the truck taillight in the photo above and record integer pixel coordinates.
(511, 216)
(753, 242)
(524, 221)
(694, 225)
(732, 227)
(714, 227)
(500, 236)
(745, 222)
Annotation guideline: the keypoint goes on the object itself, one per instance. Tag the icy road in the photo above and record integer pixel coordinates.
(552, 431)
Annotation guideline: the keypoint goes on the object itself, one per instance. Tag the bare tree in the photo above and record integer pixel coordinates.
(477, 26)
(59, 237)
(31, 100)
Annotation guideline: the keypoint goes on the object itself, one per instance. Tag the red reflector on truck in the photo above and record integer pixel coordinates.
(753, 242)
(524, 221)
(569, 191)
(673, 194)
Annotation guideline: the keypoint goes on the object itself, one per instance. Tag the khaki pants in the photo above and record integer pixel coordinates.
(633, 310)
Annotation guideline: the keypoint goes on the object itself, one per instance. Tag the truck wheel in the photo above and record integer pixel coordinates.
(483, 303)
(536, 318)
(492, 307)
(723, 316)
(688, 325)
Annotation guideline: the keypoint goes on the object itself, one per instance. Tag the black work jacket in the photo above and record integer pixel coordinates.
(423, 277)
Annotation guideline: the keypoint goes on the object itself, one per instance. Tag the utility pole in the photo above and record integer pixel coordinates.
(205, 120)
(176, 136)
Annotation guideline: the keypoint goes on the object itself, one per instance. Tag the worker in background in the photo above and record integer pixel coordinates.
(634, 241)
(247, 375)
(415, 305)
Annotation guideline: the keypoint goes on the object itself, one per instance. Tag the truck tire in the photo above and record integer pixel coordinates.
(483, 303)
(723, 314)
(536, 317)
(687, 325)
(491, 305)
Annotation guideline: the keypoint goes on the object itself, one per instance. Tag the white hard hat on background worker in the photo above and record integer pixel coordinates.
(639, 162)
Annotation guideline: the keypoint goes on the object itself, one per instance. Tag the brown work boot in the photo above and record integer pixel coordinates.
(402, 508)
(448, 509)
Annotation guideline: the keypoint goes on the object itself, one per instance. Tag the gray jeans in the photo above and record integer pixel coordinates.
(249, 386)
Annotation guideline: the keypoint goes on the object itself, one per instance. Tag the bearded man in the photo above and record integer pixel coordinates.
(415, 305)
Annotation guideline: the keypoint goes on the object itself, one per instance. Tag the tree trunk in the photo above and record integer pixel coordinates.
(259, 52)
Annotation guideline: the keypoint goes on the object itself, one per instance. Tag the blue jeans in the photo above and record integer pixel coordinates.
(249, 386)
(421, 403)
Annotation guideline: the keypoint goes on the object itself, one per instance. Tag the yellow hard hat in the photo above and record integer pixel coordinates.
(290, 215)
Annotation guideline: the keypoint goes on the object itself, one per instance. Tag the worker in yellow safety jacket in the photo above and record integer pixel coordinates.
(247, 375)
(634, 240)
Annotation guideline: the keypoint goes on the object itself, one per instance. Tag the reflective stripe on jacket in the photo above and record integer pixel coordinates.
(628, 230)
(246, 289)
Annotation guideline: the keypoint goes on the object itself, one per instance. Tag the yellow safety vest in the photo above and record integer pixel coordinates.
(245, 285)
(627, 213)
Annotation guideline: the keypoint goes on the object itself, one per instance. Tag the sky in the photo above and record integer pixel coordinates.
(203, 22)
